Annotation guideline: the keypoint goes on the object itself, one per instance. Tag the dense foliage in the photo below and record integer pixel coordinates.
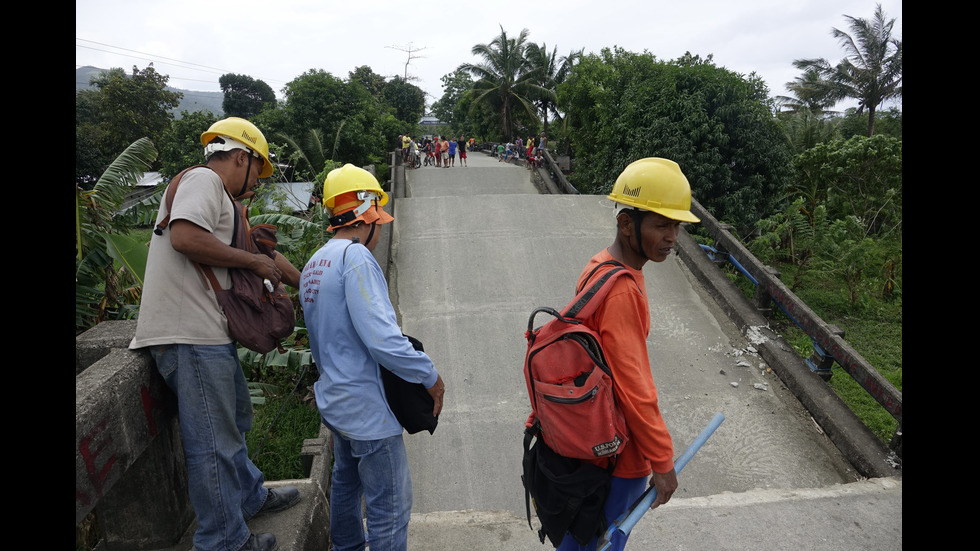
(716, 124)
(119, 111)
(245, 96)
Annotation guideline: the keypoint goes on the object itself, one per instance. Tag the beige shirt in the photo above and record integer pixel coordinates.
(177, 305)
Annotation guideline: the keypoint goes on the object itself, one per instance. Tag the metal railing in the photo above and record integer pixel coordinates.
(828, 342)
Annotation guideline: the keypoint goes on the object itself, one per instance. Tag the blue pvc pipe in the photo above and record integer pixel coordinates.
(628, 520)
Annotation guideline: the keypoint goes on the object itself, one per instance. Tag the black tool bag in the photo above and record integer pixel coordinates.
(569, 495)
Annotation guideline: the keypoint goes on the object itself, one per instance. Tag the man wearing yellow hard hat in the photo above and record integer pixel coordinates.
(354, 331)
(651, 199)
(186, 332)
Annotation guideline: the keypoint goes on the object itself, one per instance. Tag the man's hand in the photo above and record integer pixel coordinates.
(437, 391)
(666, 484)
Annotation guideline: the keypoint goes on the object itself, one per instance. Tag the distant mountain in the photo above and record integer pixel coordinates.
(193, 100)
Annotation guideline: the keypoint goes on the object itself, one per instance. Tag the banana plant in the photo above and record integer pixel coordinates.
(109, 266)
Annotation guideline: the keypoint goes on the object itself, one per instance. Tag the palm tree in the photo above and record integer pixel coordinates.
(871, 72)
(552, 71)
(808, 94)
(505, 79)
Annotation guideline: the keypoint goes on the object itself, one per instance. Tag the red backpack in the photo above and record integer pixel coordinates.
(568, 380)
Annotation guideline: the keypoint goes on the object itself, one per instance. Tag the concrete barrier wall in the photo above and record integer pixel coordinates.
(128, 457)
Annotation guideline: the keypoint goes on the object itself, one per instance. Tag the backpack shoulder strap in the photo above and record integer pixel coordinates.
(169, 198)
(590, 296)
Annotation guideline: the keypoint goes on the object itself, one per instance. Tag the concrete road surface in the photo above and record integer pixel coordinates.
(475, 249)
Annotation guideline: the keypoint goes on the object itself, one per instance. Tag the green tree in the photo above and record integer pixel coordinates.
(245, 96)
(871, 71)
(803, 129)
(452, 108)
(405, 99)
(344, 113)
(90, 156)
(121, 110)
(505, 80)
(180, 146)
(372, 82)
(718, 125)
(551, 71)
(808, 94)
(887, 123)
(859, 177)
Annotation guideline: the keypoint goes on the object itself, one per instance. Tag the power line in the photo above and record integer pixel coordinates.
(185, 64)
(153, 58)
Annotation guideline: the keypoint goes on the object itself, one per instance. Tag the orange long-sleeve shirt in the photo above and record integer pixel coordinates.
(623, 323)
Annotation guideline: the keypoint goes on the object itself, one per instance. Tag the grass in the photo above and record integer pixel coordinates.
(873, 328)
(279, 427)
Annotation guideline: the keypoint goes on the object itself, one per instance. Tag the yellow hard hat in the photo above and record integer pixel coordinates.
(349, 193)
(238, 133)
(656, 185)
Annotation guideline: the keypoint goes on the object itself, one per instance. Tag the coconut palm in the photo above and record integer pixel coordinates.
(551, 71)
(505, 79)
(808, 94)
(871, 72)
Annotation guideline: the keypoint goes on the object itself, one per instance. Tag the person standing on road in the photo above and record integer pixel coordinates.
(462, 150)
(354, 331)
(652, 199)
(406, 141)
(437, 150)
(186, 332)
(444, 148)
(452, 151)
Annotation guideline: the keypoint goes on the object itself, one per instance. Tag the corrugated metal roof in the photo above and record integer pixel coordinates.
(297, 194)
(150, 179)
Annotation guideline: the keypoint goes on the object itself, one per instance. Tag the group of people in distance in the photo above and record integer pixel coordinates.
(439, 151)
(354, 334)
(532, 154)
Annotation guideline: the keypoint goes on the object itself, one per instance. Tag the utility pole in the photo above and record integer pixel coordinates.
(411, 55)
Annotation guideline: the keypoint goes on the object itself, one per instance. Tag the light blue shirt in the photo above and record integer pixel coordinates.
(353, 328)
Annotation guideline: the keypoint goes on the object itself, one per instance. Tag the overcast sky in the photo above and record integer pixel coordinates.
(196, 41)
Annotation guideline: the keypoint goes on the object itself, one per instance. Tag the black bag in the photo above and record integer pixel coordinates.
(257, 317)
(410, 402)
(569, 495)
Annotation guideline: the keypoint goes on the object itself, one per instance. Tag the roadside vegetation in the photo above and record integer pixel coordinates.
(814, 192)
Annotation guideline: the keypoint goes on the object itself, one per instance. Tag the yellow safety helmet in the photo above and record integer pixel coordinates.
(238, 134)
(349, 193)
(656, 185)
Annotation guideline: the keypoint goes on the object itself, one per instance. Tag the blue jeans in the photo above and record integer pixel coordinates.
(623, 493)
(378, 471)
(215, 411)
